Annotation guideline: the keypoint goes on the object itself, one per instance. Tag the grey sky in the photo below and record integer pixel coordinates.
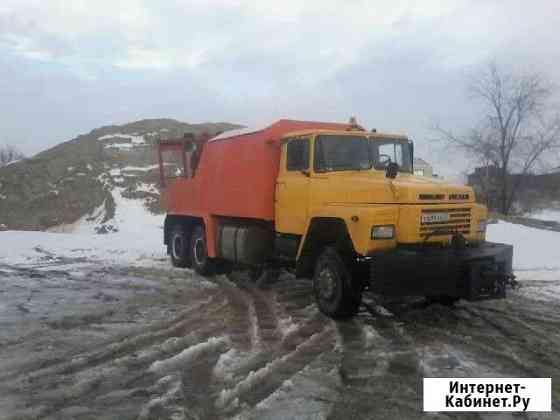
(67, 67)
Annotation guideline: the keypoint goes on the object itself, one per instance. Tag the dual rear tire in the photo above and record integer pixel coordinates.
(188, 248)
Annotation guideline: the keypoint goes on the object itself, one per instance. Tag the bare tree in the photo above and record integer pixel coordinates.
(9, 154)
(518, 132)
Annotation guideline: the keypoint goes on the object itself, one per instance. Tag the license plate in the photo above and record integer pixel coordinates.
(435, 218)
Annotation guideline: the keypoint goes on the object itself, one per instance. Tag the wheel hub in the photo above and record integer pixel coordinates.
(327, 283)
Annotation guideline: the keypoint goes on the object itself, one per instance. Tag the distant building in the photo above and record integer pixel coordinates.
(423, 168)
(530, 189)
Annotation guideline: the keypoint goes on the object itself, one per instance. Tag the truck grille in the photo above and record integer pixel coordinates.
(433, 224)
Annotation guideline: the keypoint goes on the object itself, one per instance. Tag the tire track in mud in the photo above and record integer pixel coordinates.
(500, 346)
(258, 384)
(265, 317)
(93, 377)
(116, 348)
(240, 344)
(275, 343)
(245, 332)
(377, 360)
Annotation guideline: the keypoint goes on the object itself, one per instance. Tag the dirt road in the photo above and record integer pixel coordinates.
(83, 341)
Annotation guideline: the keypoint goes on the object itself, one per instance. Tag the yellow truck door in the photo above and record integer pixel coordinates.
(292, 187)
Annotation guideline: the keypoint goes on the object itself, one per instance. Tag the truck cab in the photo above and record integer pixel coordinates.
(342, 207)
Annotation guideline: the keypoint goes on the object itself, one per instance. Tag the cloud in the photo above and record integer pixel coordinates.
(396, 65)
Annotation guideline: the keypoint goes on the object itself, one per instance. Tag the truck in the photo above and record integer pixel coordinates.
(331, 202)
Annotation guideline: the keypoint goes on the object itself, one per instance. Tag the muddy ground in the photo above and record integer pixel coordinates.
(82, 341)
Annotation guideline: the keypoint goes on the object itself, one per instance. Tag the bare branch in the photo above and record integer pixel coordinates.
(516, 131)
(9, 154)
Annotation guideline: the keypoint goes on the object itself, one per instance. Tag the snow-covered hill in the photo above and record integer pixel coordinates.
(87, 178)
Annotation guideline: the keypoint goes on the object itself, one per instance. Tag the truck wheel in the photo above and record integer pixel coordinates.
(179, 247)
(201, 262)
(332, 285)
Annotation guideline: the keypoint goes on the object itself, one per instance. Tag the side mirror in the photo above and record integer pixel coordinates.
(306, 172)
(391, 170)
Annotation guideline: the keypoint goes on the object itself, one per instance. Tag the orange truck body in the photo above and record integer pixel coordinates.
(227, 163)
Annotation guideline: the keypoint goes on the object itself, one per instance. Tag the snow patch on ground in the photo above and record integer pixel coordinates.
(121, 141)
(175, 362)
(536, 254)
(85, 224)
(549, 215)
(132, 138)
(228, 363)
(140, 168)
(370, 335)
(287, 325)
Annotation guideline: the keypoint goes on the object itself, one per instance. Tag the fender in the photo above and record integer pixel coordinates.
(358, 221)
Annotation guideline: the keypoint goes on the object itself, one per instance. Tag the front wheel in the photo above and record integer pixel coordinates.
(334, 292)
(201, 262)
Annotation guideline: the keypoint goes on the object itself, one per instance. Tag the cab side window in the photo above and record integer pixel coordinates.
(298, 155)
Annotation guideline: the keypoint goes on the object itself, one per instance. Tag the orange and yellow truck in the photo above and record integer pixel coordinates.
(334, 203)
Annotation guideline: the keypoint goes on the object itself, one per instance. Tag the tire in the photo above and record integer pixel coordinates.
(335, 294)
(201, 262)
(179, 248)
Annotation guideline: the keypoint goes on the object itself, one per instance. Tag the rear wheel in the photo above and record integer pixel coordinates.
(179, 247)
(201, 262)
(334, 292)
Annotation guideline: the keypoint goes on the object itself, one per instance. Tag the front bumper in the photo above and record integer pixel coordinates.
(473, 273)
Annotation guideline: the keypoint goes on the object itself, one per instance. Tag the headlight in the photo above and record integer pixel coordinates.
(383, 232)
(481, 226)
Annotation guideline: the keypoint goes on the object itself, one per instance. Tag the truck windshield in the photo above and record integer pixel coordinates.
(344, 153)
(384, 151)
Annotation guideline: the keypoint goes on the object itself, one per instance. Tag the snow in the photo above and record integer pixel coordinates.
(145, 187)
(536, 254)
(287, 326)
(38, 248)
(84, 225)
(121, 141)
(120, 146)
(237, 132)
(227, 363)
(140, 168)
(547, 215)
(134, 139)
(139, 240)
(184, 357)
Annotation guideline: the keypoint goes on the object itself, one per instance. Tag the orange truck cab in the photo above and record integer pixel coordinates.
(332, 202)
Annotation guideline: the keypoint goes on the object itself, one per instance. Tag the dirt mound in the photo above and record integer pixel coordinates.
(73, 179)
